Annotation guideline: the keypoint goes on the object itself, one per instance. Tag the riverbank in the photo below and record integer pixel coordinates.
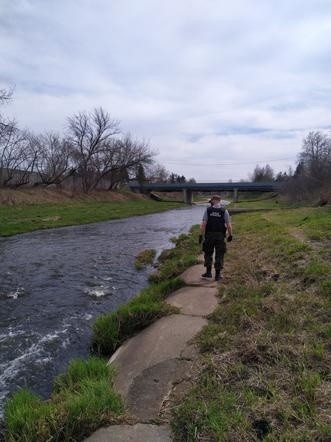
(21, 218)
(74, 410)
(265, 355)
(52, 195)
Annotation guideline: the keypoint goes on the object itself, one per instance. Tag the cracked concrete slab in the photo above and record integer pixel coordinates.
(132, 433)
(192, 276)
(198, 301)
(166, 339)
(149, 390)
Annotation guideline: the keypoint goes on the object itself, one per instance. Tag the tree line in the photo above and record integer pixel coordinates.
(312, 176)
(92, 148)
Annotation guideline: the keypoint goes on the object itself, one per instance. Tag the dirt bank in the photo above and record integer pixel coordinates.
(42, 195)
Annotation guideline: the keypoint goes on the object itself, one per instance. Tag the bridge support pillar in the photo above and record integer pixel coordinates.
(187, 196)
(235, 195)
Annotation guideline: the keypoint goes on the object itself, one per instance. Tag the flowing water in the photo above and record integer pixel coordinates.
(54, 283)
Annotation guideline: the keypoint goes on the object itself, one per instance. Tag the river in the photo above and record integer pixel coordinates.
(54, 283)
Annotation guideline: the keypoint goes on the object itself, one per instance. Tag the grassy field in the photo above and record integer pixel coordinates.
(265, 364)
(261, 201)
(26, 218)
(265, 201)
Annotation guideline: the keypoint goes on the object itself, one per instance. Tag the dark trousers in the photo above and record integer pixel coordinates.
(214, 241)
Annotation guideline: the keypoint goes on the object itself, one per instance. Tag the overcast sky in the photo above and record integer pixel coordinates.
(215, 86)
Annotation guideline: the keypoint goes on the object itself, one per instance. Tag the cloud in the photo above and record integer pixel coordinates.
(201, 79)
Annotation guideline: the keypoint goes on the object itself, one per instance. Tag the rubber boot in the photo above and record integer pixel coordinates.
(218, 275)
(207, 274)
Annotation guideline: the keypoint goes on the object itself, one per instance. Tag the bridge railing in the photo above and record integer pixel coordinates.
(207, 187)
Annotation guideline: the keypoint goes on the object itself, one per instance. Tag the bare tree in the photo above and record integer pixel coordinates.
(6, 95)
(312, 178)
(7, 133)
(54, 157)
(315, 157)
(89, 133)
(7, 128)
(119, 160)
(156, 173)
(29, 155)
(140, 174)
(5, 124)
(17, 157)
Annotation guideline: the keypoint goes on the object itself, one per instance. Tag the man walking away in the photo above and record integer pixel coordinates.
(215, 223)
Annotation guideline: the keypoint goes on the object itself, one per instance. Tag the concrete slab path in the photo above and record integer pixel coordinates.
(195, 301)
(192, 276)
(132, 433)
(159, 357)
(161, 341)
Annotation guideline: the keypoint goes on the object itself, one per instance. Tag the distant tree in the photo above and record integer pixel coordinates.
(172, 178)
(156, 173)
(315, 156)
(261, 174)
(299, 170)
(311, 179)
(282, 176)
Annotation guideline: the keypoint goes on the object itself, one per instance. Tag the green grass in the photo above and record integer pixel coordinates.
(111, 330)
(144, 258)
(26, 218)
(83, 400)
(265, 364)
(315, 223)
(265, 201)
(213, 407)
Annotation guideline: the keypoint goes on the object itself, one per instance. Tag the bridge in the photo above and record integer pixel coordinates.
(189, 188)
